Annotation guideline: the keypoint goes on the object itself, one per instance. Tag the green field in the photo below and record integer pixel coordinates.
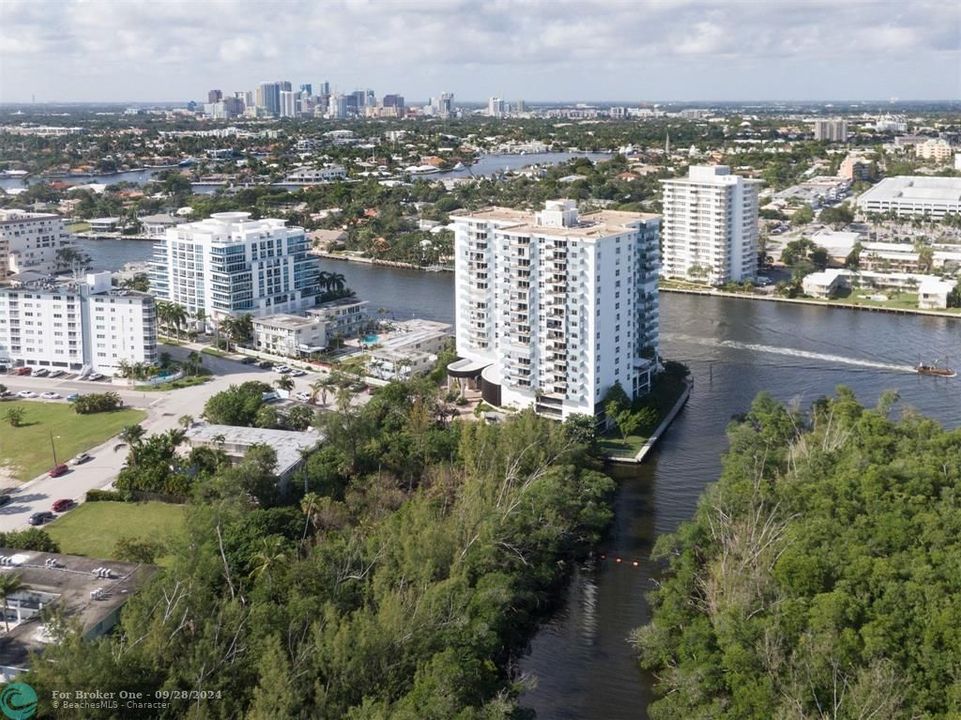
(94, 528)
(26, 451)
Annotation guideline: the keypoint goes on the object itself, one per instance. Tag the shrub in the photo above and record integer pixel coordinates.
(105, 496)
(30, 539)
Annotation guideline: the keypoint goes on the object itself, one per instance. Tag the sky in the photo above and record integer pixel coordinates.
(535, 50)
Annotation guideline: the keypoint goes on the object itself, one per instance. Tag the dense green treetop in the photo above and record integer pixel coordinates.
(819, 577)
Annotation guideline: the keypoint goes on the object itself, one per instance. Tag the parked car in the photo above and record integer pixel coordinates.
(39, 518)
(41, 372)
(62, 505)
(72, 396)
(23, 371)
(82, 458)
(247, 360)
(303, 396)
(95, 377)
(297, 373)
(265, 364)
(55, 373)
(282, 369)
(26, 394)
(762, 281)
(50, 395)
(5, 500)
(58, 470)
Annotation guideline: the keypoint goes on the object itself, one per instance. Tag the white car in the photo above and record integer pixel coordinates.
(303, 396)
(297, 373)
(95, 377)
(26, 394)
(51, 396)
(282, 369)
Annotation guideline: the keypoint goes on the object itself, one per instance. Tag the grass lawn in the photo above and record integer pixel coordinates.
(216, 353)
(93, 528)
(668, 387)
(26, 450)
(615, 445)
(78, 227)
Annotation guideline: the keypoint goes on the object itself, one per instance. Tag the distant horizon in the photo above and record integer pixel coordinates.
(415, 102)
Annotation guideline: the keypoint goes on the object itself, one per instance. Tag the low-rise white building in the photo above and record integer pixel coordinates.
(290, 335)
(103, 225)
(77, 326)
(824, 284)
(289, 445)
(299, 335)
(328, 173)
(409, 348)
(933, 292)
(30, 242)
(156, 226)
(913, 196)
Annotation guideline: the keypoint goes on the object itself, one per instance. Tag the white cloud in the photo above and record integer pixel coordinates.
(177, 48)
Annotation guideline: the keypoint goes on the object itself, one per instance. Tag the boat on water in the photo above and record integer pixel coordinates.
(935, 370)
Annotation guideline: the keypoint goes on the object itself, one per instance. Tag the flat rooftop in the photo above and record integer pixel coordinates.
(285, 321)
(598, 224)
(235, 441)
(69, 583)
(915, 188)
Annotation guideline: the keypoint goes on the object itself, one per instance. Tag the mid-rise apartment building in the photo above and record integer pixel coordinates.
(831, 129)
(230, 264)
(30, 242)
(553, 308)
(710, 226)
(937, 149)
(77, 325)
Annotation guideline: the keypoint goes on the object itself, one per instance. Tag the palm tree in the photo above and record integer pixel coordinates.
(269, 556)
(9, 585)
(338, 282)
(284, 383)
(14, 416)
(201, 317)
(193, 364)
(322, 386)
(132, 434)
(186, 421)
(323, 279)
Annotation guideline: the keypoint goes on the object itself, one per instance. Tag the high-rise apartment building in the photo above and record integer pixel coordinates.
(77, 325)
(269, 97)
(214, 96)
(556, 307)
(710, 226)
(306, 89)
(288, 104)
(496, 107)
(30, 242)
(229, 264)
(831, 129)
(445, 105)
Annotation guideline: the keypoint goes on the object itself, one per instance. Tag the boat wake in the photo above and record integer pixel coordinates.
(791, 352)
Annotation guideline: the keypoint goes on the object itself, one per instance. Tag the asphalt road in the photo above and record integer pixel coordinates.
(164, 409)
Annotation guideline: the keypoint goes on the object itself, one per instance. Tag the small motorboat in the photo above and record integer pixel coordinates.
(935, 370)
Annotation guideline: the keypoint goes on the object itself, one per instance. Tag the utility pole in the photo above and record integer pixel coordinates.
(54, 449)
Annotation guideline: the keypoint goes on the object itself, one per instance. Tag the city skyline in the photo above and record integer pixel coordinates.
(667, 50)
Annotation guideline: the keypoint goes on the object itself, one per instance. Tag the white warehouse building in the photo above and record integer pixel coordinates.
(914, 196)
(710, 226)
(229, 264)
(77, 326)
(553, 308)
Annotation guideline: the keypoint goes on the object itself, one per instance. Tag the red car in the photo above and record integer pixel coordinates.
(58, 470)
(63, 505)
(24, 371)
